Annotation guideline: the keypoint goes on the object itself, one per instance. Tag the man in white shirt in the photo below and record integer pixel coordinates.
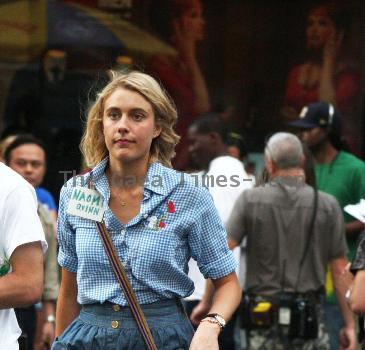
(225, 178)
(22, 244)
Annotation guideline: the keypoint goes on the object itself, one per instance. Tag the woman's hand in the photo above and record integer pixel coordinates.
(206, 337)
(48, 335)
(347, 338)
(199, 312)
(332, 48)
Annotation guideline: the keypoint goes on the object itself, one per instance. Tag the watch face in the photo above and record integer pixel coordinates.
(220, 319)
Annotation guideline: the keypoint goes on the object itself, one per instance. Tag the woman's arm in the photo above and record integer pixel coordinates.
(205, 304)
(67, 307)
(347, 335)
(326, 90)
(357, 296)
(226, 299)
(186, 46)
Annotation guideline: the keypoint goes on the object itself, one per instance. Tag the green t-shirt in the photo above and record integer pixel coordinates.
(344, 178)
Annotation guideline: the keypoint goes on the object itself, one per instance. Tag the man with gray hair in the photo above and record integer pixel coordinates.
(293, 232)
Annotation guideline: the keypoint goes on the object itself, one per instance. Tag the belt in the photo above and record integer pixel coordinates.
(316, 296)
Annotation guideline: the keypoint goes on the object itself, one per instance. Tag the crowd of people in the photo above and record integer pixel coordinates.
(138, 255)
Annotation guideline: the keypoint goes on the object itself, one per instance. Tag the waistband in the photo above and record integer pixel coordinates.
(315, 296)
(103, 314)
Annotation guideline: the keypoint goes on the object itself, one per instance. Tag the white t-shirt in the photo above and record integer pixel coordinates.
(226, 180)
(19, 224)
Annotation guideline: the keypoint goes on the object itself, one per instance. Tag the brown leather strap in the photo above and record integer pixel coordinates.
(123, 280)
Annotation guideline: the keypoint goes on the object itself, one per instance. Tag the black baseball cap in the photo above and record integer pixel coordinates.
(322, 114)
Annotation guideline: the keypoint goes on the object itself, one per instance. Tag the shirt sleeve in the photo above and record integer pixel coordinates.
(208, 240)
(21, 221)
(51, 202)
(67, 256)
(235, 225)
(360, 181)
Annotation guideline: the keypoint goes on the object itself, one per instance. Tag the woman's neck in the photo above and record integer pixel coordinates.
(127, 175)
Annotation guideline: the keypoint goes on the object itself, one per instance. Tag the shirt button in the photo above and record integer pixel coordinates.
(145, 216)
(122, 231)
(116, 307)
(115, 324)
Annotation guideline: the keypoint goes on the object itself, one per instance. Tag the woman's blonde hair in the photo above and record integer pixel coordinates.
(162, 148)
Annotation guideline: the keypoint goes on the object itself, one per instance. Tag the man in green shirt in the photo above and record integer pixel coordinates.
(338, 173)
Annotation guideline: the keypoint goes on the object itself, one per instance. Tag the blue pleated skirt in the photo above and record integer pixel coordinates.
(111, 327)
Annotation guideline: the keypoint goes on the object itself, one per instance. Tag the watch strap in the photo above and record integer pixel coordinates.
(220, 320)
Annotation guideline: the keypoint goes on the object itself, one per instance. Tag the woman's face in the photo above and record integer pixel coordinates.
(128, 126)
(193, 21)
(320, 28)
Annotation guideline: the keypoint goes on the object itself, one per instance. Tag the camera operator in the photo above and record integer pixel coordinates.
(293, 232)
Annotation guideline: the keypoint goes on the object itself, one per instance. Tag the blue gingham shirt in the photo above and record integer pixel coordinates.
(155, 260)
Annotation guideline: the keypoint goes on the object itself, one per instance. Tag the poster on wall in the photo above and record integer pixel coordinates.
(256, 63)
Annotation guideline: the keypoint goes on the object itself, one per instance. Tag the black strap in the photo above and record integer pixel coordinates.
(309, 238)
(310, 235)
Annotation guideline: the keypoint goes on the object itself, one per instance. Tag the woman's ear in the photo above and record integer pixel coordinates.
(157, 131)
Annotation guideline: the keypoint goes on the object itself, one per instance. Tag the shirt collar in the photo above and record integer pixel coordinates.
(289, 180)
(156, 179)
(98, 171)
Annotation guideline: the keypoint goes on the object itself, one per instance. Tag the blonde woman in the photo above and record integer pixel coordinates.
(157, 219)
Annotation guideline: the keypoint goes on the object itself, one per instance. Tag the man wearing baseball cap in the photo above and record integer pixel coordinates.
(338, 173)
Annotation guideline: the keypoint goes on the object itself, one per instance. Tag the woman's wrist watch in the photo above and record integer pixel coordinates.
(215, 318)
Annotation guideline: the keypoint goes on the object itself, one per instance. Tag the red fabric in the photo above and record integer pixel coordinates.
(347, 86)
(171, 207)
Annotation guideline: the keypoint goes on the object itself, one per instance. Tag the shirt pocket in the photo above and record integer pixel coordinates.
(153, 254)
(92, 257)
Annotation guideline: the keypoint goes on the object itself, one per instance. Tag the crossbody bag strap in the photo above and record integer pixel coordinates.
(123, 280)
(310, 235)
(125, 284)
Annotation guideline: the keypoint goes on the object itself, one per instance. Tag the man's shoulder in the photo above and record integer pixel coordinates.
(226, 164)
(327, 200)
(11, 180)
(256, 194)
(351, 161)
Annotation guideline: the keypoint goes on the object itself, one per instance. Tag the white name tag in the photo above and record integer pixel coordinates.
(284, 316)
(86, 203)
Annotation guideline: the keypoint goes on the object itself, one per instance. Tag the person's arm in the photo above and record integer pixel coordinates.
(23, 286)
(67, 307)
(205, 304)
(51, 277)
(347, 333)
(357, 295)
(326, 90)
(226, 299)
(354, 228)
(48, 329)
(185, 43)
